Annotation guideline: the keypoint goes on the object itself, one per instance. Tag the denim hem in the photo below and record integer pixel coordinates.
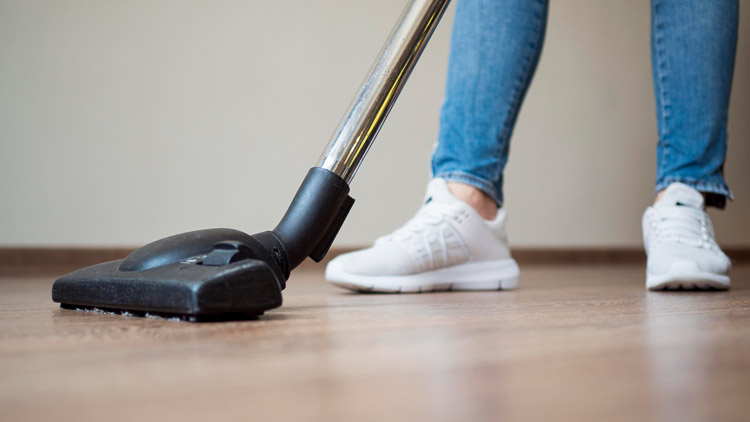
(712, 189)
(469, 179)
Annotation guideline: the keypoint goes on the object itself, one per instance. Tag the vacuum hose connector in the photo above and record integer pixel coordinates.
(314, 218)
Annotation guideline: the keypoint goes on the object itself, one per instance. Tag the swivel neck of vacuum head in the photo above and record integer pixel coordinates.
(314, 217)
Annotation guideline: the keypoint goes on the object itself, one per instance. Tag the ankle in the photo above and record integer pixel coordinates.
(482, 204)
(658, 195)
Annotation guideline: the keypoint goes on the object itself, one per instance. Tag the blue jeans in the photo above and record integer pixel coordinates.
(495, 48)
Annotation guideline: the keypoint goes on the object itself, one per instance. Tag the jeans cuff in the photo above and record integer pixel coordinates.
(716, 194)
(469, 179)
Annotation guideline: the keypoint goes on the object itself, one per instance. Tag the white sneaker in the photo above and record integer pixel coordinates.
(679, 240)
(445, 246)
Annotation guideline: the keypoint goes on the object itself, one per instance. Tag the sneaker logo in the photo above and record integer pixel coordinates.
(682, 204)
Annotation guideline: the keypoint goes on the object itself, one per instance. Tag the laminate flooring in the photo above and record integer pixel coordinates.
(573, 343)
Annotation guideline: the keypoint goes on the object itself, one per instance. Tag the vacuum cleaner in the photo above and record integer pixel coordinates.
(224, 274)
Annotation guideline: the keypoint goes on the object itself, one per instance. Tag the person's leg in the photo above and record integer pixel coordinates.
(456, 241)
(693, 45)
(495, 48)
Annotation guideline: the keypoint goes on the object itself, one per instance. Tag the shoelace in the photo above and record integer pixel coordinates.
(424, 223)
(426, 219)
(683, 225)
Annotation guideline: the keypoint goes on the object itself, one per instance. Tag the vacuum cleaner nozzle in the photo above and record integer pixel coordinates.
(206, 274)
(215, 273)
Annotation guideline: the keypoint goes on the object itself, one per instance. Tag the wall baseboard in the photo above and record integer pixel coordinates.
(55, 260)
(59, 260)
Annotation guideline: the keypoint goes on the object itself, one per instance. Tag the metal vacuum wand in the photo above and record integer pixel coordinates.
(367, 112)
(228, 274)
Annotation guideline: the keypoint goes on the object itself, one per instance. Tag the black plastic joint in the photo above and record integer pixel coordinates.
(314, 217)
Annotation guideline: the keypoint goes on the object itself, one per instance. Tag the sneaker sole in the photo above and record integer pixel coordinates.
(686, 276)
(472, 276)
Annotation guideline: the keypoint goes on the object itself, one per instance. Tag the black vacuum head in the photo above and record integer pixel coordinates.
(215, 273)
(202, 275)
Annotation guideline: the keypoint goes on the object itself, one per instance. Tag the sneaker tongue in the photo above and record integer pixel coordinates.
(678, 194)
(437, 191)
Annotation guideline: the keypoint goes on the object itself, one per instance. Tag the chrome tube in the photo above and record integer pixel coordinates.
(367, 112)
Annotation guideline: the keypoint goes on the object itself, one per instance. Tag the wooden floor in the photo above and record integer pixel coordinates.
(574, 343)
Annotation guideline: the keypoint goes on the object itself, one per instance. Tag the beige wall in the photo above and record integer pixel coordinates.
(125, 121)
